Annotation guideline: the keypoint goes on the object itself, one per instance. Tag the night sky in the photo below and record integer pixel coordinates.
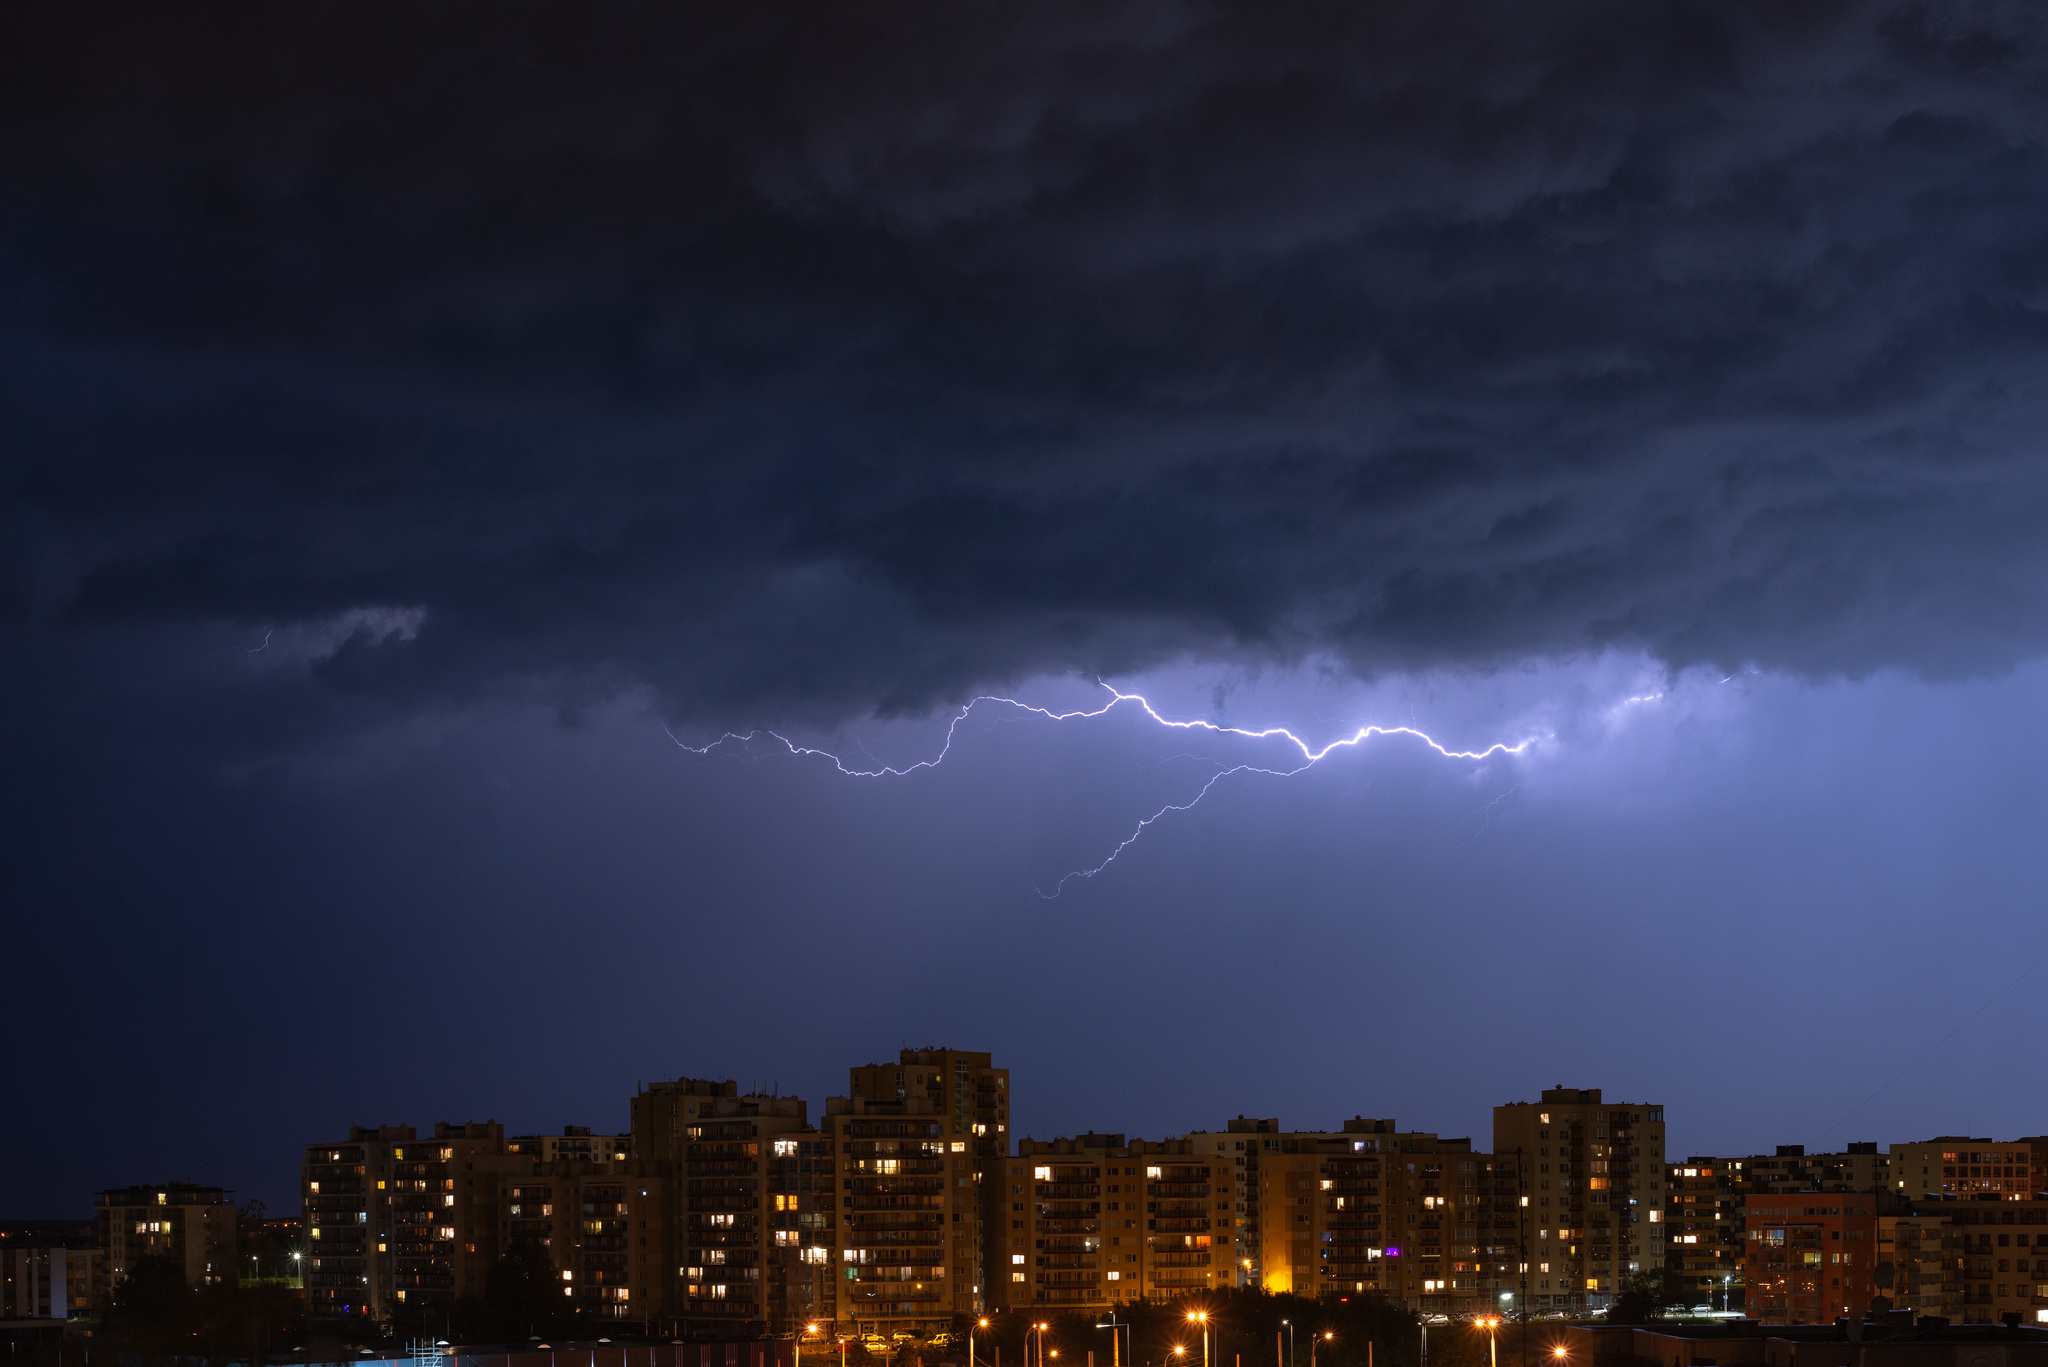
(422, 430)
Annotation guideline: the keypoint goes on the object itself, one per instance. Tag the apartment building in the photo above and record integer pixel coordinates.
(49, 1281)
(1925, 1251)
(1598, 1190)
(1810, 1256)
(746, 1171)
(1096, 1221)
(193, 1226)
(1371, 1209)
(2002, 1245)
(575, 1144)
(394, 1221)
(1703, 1230)
(604, 1224)
(1860, 1168)
(1956, 1166)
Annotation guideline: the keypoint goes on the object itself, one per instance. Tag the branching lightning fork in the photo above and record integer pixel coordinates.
(1310, 755)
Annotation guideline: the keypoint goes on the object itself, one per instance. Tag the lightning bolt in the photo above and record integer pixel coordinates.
(1310, 755)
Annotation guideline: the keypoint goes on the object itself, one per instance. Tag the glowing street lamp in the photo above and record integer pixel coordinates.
(982, 1324)
(1490, 1323)
(1324, 1337)
(1201, 1317)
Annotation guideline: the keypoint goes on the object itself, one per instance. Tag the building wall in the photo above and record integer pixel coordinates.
(49, 1282)
(1952, 1165)
(1810, 1256)
(735, 1163)
(1093, 1222)
(194, 1226)
(1925, 1252)
(1703, 1233)
(393, 1220)
(2003, 1249)
(1598, 1188)
(604, 1225)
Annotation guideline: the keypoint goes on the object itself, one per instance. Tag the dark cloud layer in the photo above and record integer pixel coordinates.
(801, 357)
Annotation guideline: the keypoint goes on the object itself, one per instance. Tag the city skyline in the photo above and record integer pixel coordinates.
(547, 549)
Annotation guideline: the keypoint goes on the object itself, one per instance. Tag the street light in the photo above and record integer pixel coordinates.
(1040, 1328)
(1290, 1341)
(970, 1339)
(1558, 1353)
(809, 1329)
(1115, 1358)
(1490, 1323)
(1325, 1337)
(1201, 1317)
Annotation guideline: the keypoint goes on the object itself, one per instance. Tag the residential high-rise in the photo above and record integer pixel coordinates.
(49, 1281)
(2002, 1250)
(1957, 1166)
(575, 1144)
(1925, 1250)
(750, 1208)
(1371, 1209)
(919, 1145)
(1598, 1191)
(1703, 1233)
(1094, 1221)
(397, 1222)
(194, 1226)
(604, 1224)
(1860, 1168)
(1811, 1256)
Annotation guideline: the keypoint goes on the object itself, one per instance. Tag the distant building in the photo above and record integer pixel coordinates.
(2003, 1248)
(1925, 1251)
(1598, 1187)
(393, 1220)
(604, 1225)
(193, 1226)
(575, 1144)
(729, 1158)
(921, 1144)
(1960, 1167)
(1095, 1221)
(1811, 1256)
(49, 1282)
(1860, 1168)
(1703, 1231)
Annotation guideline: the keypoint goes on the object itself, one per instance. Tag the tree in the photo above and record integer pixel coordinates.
(522, 1293)
(1646, 1295)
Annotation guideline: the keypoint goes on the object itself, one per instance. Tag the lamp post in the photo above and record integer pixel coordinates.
(1491, 1323)
(1115, 1358)
(809, 1329)
(983, 1324)
(1324, 1337)
(1201, 1317)
(1039, 1329)
(1290, 1341)
(1179, 1352)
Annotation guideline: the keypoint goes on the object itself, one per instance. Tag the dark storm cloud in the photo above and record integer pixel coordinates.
(826, 357)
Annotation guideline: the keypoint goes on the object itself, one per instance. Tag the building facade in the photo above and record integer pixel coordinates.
(1096, 1221)
(1860, 1168)
(2002, 1246)
(50, 1282)
(1703, 1230)
(1811, 1256)
(1926, 1255)
(575, 1144)
(1964, 1168)
(395, 1222)
(193, 1226)
(750, 1211)
(1598, 1190)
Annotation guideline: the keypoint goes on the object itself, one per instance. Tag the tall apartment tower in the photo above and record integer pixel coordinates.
(750, 1209)
(192, 1225)
(1371, 1209)
(919, 1146)
(1961, 1168)
(394, 1221)
(1599, 1178)
(1095, 1222)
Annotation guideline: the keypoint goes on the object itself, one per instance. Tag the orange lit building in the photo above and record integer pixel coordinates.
(1810, 1256)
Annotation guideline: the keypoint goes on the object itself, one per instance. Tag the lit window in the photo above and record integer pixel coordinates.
(1041, 1174)
(1017, 1257)
(1016, 1276)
